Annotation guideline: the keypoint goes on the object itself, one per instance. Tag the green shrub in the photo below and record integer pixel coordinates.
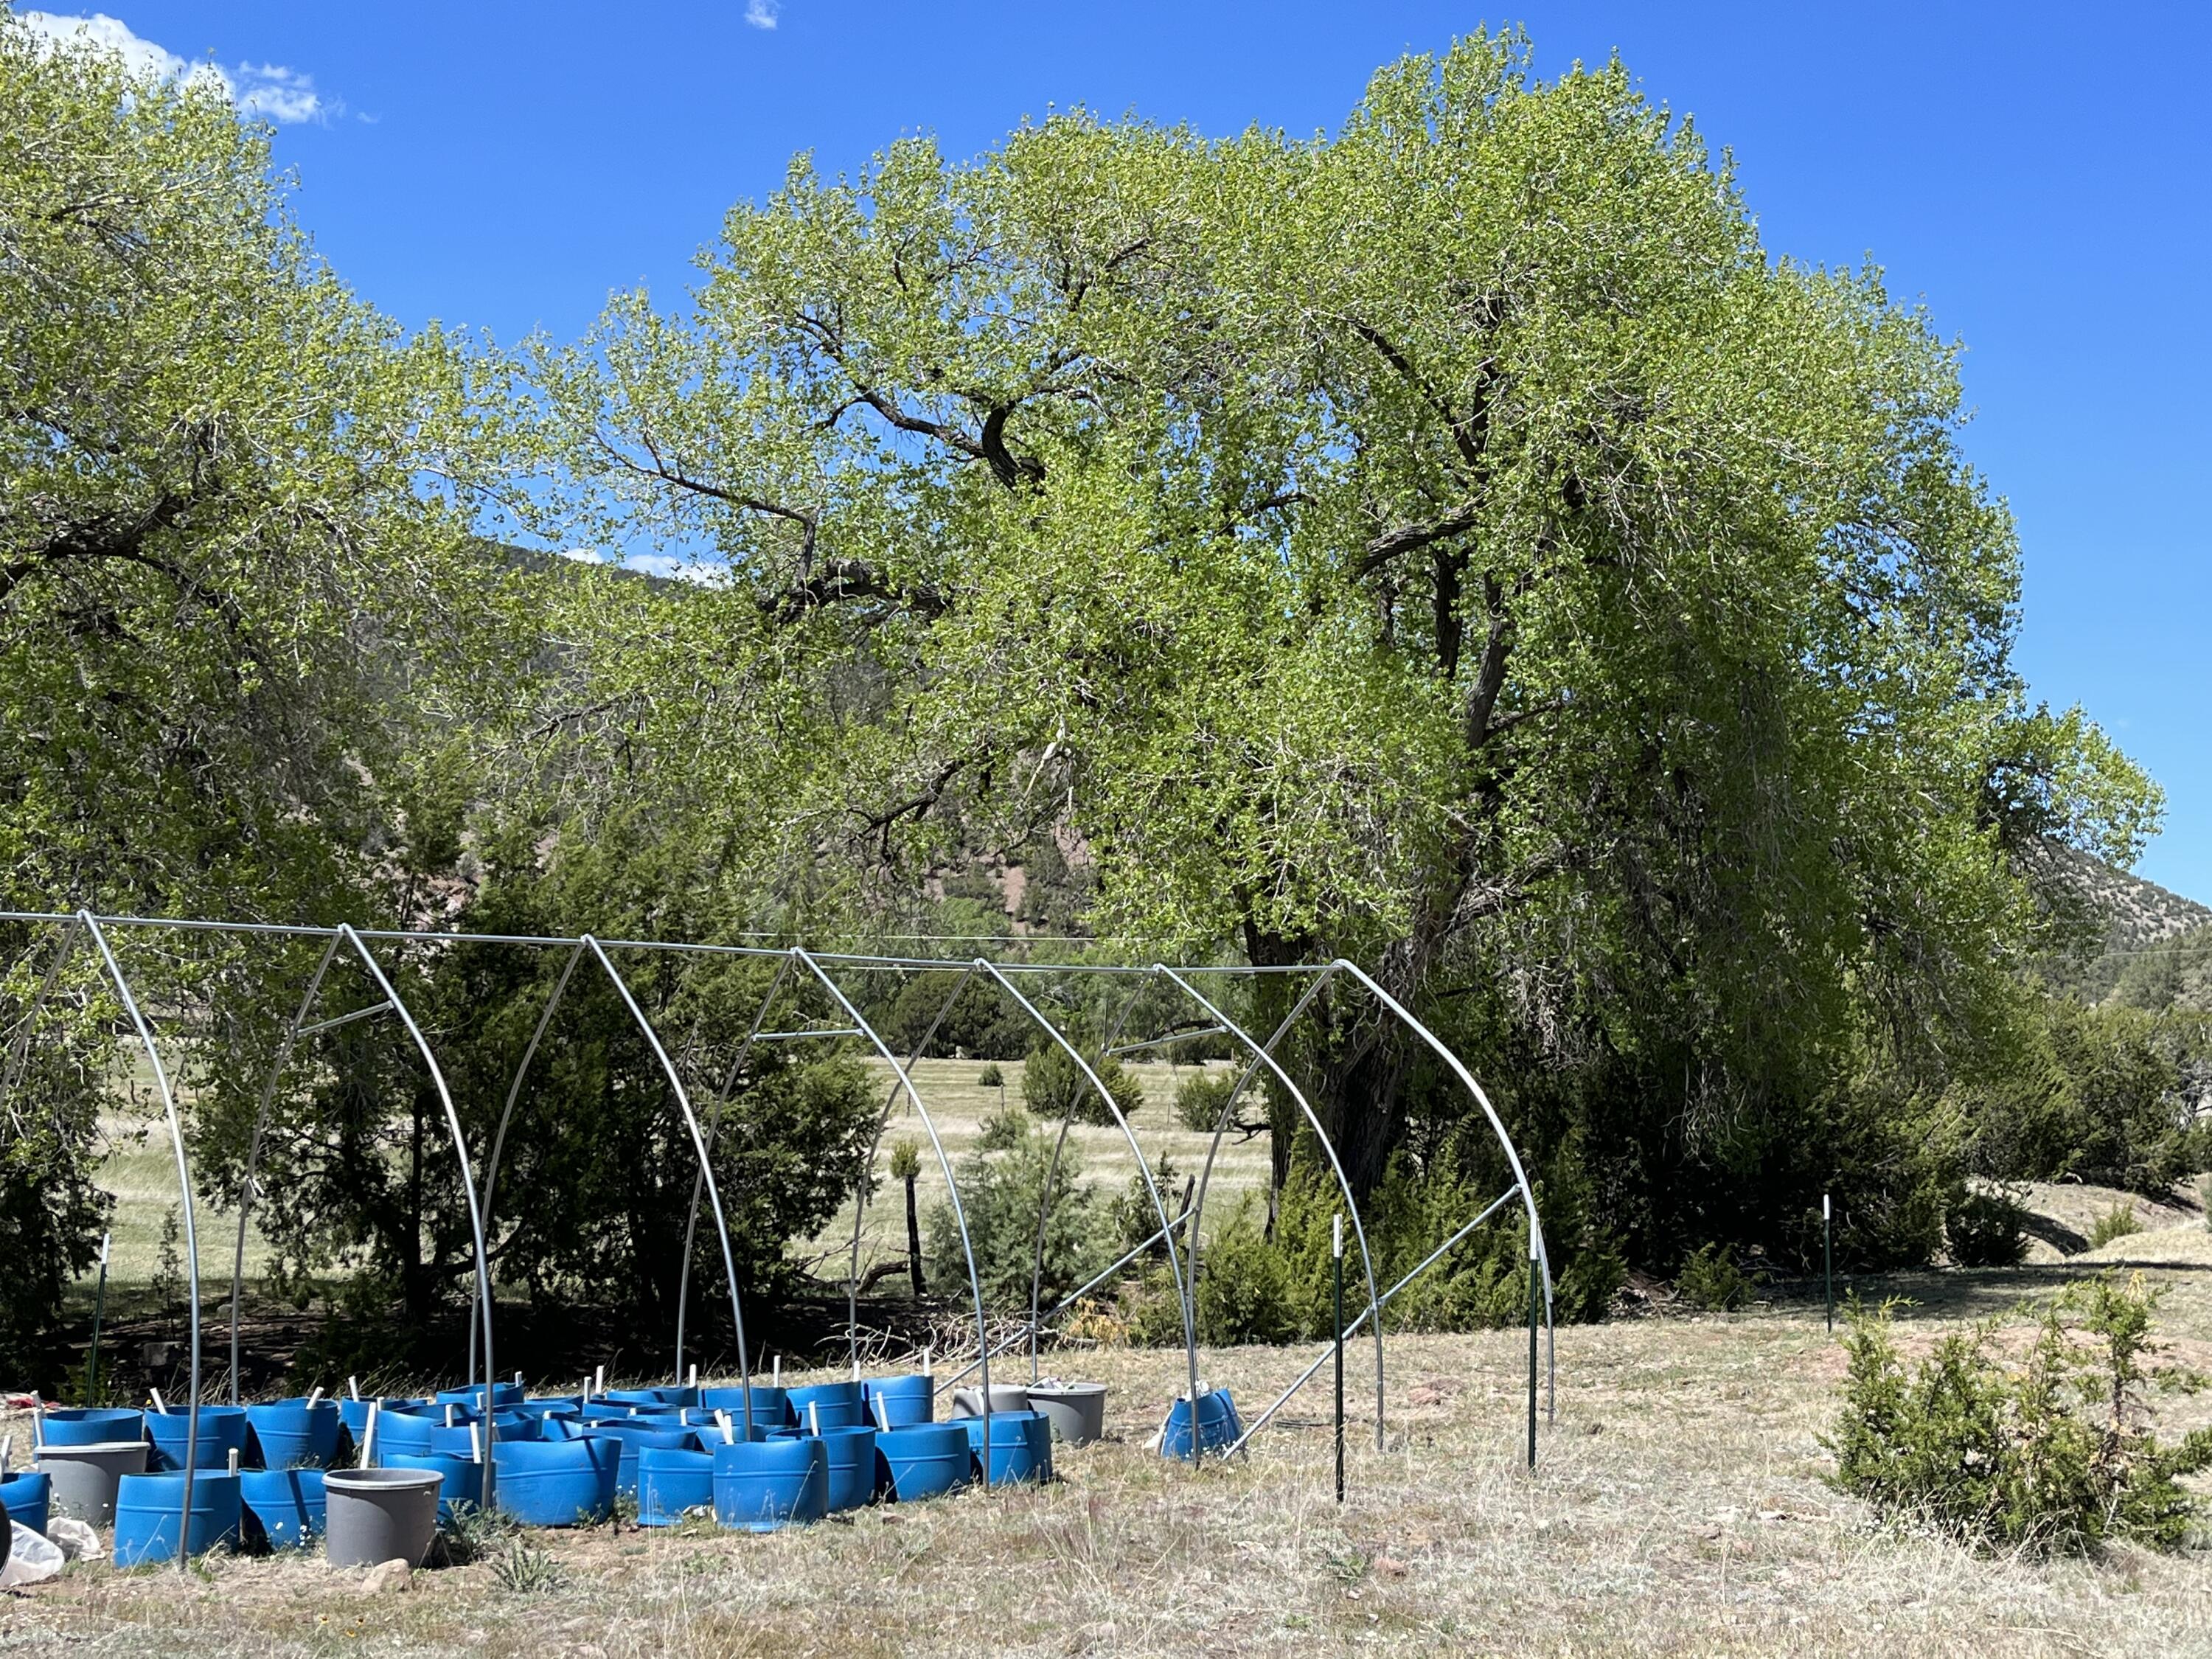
(2045, 1454)
(1987, 1230)
(1709, 1279)
(1002, 1184)
(991, 1077)
(1201, 1096)
(1054, 1085)
(2116, 1223)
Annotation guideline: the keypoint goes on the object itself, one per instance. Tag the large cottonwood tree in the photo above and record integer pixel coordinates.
(1454, 541)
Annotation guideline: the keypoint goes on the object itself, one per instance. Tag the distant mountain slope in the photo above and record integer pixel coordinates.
(2145, 932)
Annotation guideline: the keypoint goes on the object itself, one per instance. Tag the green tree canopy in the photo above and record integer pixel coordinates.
(1453, 541)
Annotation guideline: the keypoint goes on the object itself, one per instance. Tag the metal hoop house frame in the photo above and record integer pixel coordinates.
(797, 965)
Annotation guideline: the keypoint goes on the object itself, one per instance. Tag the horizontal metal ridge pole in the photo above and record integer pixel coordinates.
(849, 959)
(794, 1037)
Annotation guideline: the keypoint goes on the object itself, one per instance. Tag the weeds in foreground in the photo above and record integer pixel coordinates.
(472, 1533)
(2048, 1454)
(526, 1570)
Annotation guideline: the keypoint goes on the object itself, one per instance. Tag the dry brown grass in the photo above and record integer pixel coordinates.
(1679, 1509)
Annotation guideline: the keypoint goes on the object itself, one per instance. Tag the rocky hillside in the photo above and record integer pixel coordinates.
(2151, 946)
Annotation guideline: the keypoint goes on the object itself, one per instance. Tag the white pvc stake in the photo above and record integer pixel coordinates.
(599, 1379)
(883, 1413)
(694, 1373)
(729, 1437)
(449, 1416)
(234, 1460)
(476, 1443)
(315, 1397)
(7, 1445)
(353, 1388)
(1336, 1236)
(159, 1404)
(368, 1435)
(856, 1367)
(925, 1361)
(518, 1379)
(814, 1418)
(37, 1423)
(777, 1381)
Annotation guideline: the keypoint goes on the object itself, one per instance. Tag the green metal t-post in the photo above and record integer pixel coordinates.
(1336, 1253)
(1829, 1261)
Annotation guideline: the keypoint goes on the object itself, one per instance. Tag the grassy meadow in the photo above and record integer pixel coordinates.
(1679, 1507)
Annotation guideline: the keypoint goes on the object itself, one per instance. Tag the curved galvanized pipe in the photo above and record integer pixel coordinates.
(19, 1051)
(951, 1186)
(506, 1114)
(875, 1143)
(699, 1176)
(699, 1144)
(1512, 1157)
(460, 1152)
(192, 1237)
(253, 1157)
(1051, 1177)
(1144, 1170)
(1343, 1184)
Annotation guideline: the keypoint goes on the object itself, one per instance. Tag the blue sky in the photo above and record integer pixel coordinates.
(2037, 176)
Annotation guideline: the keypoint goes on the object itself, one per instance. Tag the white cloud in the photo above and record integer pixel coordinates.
(761, 14)
(267, 91)
(277, 94)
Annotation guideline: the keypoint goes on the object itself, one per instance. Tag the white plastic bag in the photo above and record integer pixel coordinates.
(31, 1559)
(75, 1539)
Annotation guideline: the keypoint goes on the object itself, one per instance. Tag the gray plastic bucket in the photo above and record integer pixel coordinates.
(85, 1478)
(1004, 1397)
(1076, 1410)
(372, 1515)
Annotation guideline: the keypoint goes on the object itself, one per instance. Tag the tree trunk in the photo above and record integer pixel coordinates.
(913, 1239)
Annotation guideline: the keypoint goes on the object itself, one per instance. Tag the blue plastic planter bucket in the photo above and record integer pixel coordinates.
(564, 1405)
(291, 1434)
(671, 1480)
(600, 1409)
(631, 1436)
(1014, 1445)
(763, 1485)
(149, 1507)
(926, 1461)
(771, 1405)
(28, 1496)
(900, 1402)
(651, 1399)
(73, 1427)
(836, 1406)
(462, 1482)
(222, 1431)
(502, 1395)
(354, 1414)
(1217, 1425)
(408, 1431)
(556, 1483)
(851, 1459)
(283, 1508)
